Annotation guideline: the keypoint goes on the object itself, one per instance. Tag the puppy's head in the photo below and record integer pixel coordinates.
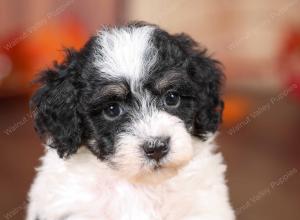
(134, 96)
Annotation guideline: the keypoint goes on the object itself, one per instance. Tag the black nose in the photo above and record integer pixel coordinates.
(157, 147)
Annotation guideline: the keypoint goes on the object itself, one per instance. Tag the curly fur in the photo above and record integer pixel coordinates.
(100, 170)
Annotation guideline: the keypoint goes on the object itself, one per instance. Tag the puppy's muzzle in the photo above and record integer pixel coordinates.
(156, 148)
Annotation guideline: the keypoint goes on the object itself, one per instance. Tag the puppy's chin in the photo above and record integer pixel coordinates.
(155, 176)
(152, 173)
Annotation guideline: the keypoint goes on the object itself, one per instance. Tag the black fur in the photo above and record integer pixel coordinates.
(57, 114)
(69, 109)
(204, 77)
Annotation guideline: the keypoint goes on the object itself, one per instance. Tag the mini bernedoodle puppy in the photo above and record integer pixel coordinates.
(129, 123)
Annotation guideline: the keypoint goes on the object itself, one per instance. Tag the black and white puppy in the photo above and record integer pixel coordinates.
(129, 123)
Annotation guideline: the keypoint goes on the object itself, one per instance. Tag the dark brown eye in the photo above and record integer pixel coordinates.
(172, 99)
(112, 111)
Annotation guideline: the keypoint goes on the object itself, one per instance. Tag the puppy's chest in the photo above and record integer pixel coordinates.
(121, 200)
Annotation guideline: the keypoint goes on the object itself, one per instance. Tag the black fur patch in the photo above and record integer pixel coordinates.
(203, 75)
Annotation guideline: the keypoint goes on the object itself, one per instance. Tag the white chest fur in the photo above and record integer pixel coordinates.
(83, 188)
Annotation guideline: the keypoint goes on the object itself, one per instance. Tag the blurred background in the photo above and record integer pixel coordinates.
(258, 42)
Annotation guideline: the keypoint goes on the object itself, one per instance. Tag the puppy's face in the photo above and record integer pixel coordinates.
(134, 96)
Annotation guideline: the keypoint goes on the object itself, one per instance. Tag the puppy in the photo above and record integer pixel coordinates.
(129, 123)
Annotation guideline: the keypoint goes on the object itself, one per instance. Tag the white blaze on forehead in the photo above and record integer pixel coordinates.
(125, 52)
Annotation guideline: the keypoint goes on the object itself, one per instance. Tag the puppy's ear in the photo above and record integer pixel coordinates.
(207, 76)
(55, 106)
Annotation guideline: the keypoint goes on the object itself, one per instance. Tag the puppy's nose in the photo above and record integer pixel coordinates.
(157, 148)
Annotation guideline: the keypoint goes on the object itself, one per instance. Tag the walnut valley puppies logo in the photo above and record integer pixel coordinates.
(263, 24)
(273, 185)
(15, 210)
(260, 110)
(37, 25)
(20, 123)
(26, 118)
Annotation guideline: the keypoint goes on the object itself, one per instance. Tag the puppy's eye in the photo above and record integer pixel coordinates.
(112, 111)
(172, 99)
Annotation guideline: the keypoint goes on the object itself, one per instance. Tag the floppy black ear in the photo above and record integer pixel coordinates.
(55, 105)
(207, 76)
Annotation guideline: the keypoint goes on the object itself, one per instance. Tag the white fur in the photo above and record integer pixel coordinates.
(82, 187)
(125, 52)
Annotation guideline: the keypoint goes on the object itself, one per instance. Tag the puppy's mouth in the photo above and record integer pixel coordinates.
(157, 167)
(164, 167)
(156, 174)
